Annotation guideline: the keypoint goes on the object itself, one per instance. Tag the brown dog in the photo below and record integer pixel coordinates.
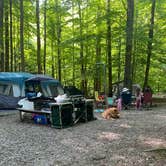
(111, 113)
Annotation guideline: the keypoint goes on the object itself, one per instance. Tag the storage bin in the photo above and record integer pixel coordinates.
(40, 119)
(61, 115)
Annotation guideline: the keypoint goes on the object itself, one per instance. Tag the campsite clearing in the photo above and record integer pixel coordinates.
(137, 138)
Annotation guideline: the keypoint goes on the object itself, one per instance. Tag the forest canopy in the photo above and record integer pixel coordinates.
(86, 43)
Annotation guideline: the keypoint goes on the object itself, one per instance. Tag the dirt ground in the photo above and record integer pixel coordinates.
(138, 138)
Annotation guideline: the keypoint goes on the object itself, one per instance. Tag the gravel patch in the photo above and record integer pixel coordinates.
(132, 140)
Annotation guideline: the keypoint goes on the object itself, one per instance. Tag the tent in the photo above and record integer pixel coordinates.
(12, 85)
(48, 86)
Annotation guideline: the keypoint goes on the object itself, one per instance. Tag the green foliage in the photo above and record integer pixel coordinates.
(64, 13)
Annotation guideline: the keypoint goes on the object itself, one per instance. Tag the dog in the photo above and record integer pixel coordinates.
(111, 113)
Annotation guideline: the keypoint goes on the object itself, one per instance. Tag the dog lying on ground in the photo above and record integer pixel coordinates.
(111, 113)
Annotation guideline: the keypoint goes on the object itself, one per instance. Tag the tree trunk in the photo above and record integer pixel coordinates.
(73, 43)
(129, 40)
(11, 37)
(22, 35)
(109, 50)
(16, 40)
(59, 50)
(149, 47)
(134, 63)
(119, 62)
(14, 44)
(44, 57)
(6, 37)
(1, 37)
(58, 31)
(97, 78)
(87, 52)
(81, 49)
(38, 38)
(52, 58)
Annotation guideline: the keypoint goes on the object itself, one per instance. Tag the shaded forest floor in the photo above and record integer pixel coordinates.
(138, 138)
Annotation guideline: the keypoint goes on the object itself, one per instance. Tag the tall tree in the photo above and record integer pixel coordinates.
(6, 36)
(119, 55)
(1, 37)
(22, 35)
(52, 59)
(38, 37)
(59, 33)
(59, 49)
(97, 80)
(81, 47)
(11, 37)
(150, 41)
(44, 57)
(109, 49)
(134, 64)
(129, 41)
(73, 44)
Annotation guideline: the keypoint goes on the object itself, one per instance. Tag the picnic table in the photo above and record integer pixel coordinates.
(63, 114)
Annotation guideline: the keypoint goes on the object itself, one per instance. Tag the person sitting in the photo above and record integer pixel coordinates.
(126, 98)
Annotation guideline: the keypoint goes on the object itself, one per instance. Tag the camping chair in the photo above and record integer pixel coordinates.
(110, 102)
(99, 100)
(147, 99)
(126, 100)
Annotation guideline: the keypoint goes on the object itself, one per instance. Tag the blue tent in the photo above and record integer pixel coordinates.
(49, 86)
(11, 83)
(15, 77)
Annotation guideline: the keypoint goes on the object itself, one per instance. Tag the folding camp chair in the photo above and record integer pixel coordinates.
(110, 102)
(126, 99)
(99, 100)
(147, 99)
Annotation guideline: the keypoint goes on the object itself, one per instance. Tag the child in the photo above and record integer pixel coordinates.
(119, 104)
